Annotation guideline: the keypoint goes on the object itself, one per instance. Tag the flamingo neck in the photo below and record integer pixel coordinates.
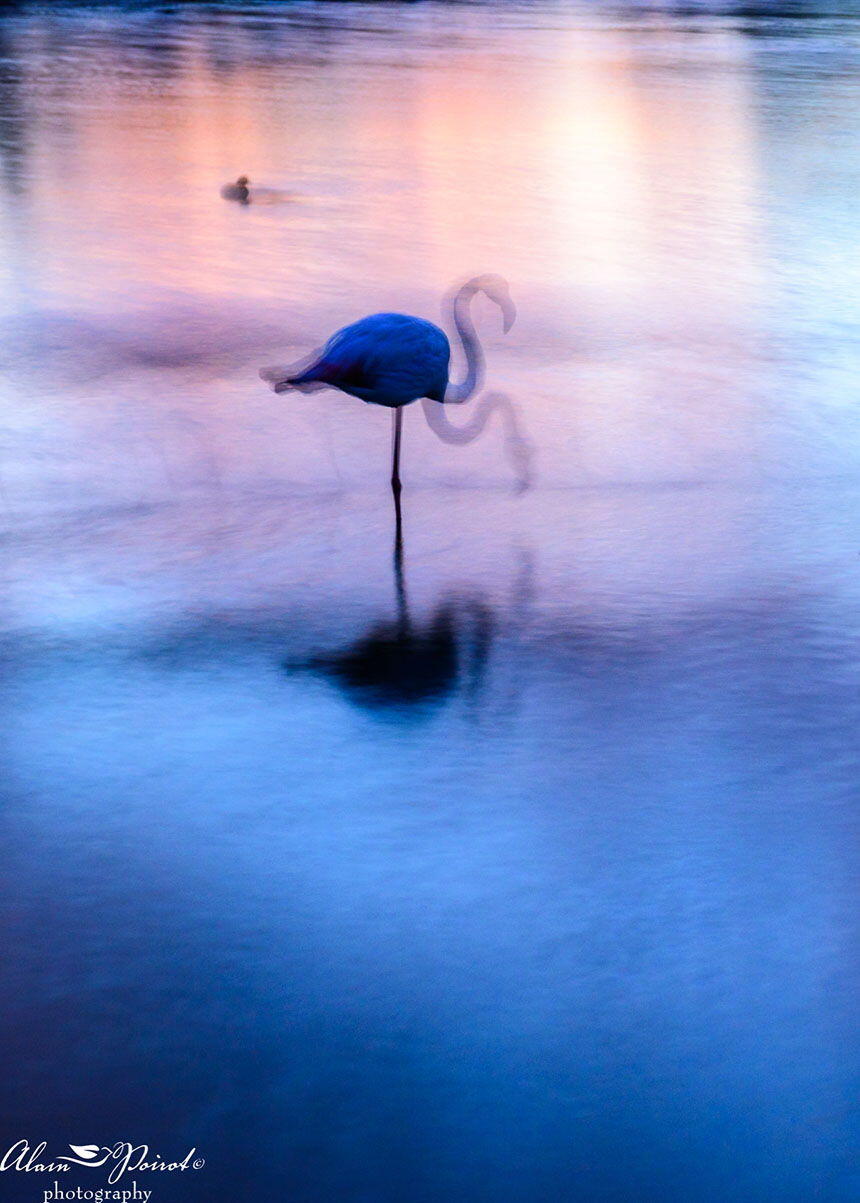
(469, 431)
(456, 394)
(518, 447)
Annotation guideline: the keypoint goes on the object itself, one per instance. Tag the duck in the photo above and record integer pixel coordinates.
(238, 191)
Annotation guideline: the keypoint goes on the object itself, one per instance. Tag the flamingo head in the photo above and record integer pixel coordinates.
(498, 290)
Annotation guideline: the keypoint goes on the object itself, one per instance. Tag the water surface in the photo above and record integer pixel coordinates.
(521, 868)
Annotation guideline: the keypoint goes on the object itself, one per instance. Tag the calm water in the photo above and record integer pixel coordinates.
(525, 871)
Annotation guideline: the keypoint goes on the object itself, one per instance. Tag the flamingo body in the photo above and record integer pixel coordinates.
(386, 359)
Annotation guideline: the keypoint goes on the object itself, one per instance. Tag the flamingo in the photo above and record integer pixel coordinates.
(392, 359)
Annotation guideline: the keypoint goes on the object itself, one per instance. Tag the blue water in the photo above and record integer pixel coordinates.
(520, 866)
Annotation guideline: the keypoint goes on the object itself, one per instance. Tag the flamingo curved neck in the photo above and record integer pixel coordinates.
(469, 431)
(456, 394)
(517, 446)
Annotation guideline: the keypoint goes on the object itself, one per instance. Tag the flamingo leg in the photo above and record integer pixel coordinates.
(396, 430)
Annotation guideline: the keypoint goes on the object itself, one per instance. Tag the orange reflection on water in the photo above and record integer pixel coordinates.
(609, 175)
(584, 167)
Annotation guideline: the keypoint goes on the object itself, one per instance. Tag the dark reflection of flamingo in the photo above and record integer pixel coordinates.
(392, 359)
(404, 664)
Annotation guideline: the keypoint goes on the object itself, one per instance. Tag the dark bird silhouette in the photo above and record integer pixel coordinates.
(238, 192)
(402, 666)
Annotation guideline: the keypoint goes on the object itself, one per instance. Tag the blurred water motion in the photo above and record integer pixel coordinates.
(520, 867)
